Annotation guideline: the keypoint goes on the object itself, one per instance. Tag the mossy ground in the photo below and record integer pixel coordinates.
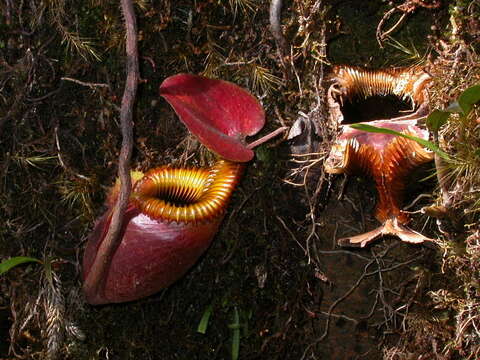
(274, 261)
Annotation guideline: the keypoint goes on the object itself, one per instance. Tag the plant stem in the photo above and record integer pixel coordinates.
(95, 281)
(275, 27)
(267, 137)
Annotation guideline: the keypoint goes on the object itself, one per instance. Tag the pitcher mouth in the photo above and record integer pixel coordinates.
(187, 195)
(354, 87)
(359, 95)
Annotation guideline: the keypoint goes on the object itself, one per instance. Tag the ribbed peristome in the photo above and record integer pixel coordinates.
(406, 83)
(187, 195)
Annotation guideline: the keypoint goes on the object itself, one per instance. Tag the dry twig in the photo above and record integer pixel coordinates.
(83, 83)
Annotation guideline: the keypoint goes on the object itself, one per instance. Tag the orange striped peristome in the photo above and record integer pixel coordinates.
(406, 83)
(186, 195)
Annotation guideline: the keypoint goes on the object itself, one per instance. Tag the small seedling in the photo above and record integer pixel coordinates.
(203, 325)
(240, 322)
(235, 327)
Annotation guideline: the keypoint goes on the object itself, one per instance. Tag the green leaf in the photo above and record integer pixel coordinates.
(436, 119)
(429, 145)
(236, 335)
(202, 326)
(468, 98)
(15, 261)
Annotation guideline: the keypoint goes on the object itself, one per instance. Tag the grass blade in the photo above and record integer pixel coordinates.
(203, 325)
(15, 261)
(425, 143)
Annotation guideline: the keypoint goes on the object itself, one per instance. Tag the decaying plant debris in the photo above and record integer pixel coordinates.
(273, 272)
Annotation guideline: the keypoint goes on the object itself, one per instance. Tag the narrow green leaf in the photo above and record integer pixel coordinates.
(429, 145)
(14, 261)
(235, 335)
(468, 98)
(436, 119)
(203, 325)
